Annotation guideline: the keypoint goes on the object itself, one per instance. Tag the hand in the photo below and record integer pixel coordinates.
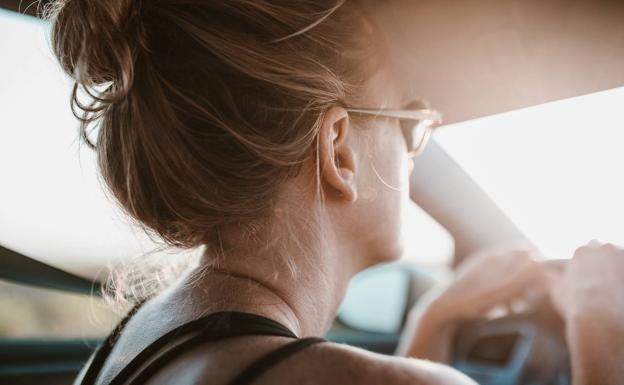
(590, 297)
(489, 278)
(486, 279)
(592, 283)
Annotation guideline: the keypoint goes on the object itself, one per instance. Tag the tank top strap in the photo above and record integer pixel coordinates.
(274, 357)
(103, 351)
(209, 328)
(212, 327)
(254, 370)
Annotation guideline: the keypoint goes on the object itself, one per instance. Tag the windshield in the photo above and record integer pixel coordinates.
(554, 169)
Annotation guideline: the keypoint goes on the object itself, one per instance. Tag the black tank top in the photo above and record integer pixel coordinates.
(209, 328)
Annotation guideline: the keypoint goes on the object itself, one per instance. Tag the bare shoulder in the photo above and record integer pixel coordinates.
(332, 363)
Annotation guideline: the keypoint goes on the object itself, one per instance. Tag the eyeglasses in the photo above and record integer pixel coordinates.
(417, 121)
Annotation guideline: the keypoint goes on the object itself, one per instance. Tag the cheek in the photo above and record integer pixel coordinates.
(402, 178)
(394, 171)
(396, 198)
(387, 176)
(387, 195)
(390, 182)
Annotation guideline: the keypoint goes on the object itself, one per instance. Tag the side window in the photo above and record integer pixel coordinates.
(33, 313)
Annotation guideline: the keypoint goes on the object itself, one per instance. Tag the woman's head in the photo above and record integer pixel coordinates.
(209, 112)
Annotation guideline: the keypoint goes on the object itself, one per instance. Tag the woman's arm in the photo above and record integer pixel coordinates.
(596, 347)
(429, 331)
(590, 298)
(485, 280)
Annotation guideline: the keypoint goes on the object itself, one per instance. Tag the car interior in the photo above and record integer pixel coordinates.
(481, 63)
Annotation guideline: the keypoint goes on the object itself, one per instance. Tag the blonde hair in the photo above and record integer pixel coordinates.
(204, 109)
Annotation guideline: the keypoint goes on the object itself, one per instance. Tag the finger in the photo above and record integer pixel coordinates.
(513, 261)
(551, 278)
(594, 243)
(530, 275)
(556, 293)
(527, 276)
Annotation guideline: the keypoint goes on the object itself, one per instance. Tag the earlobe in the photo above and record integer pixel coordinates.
(336, 155)
(348, 177)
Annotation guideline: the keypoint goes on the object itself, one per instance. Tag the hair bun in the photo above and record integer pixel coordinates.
(90, 39)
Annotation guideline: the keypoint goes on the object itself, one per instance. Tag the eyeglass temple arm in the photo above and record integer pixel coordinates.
(426, 114)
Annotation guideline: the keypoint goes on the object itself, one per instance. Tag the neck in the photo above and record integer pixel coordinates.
(303, 292)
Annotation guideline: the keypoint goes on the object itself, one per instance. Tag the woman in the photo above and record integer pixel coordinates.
(255, 129)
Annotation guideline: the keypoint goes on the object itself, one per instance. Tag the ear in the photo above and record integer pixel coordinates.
(337, 155)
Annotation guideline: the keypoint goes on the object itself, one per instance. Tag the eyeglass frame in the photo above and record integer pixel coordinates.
(428, 118)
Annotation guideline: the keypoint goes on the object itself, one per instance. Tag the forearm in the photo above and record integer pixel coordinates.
(596, 346)
(428, 332)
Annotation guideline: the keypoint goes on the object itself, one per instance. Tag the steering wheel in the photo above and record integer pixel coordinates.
(517, 349)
